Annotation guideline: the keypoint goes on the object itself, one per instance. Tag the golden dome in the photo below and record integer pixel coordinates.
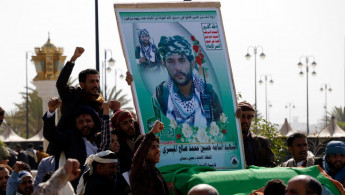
(48, 46)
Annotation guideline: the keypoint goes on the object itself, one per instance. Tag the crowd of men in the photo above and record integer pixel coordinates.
(99, 147)
(92, 152)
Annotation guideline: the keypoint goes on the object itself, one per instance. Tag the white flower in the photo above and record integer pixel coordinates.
(214, 129)
(195, 140)
(223, 118)
(173, 124)
(186, 130)
(182, 139)
(202, 135)
(221, 136)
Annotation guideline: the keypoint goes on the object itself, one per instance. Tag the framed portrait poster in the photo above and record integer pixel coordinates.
(178, 57)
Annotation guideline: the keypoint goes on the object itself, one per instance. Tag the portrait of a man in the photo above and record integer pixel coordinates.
(185, 96)
(146, 53)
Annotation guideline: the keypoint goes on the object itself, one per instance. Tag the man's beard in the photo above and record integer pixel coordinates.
(91, 133)
(94, 95)
(28, 190)
(245, 130)
(334, 167)
(147, 43)
(126, 134)
(188, 78)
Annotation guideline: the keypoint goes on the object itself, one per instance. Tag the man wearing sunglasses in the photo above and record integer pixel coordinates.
(256, 148)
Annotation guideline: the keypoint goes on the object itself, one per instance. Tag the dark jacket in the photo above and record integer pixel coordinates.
(257, 151)
(13, 157)
(69, 141)
(125, 156)
(72, 98)
(97, 184)
(125, 153)
(145, 178)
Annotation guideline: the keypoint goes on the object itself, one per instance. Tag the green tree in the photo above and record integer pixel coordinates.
(17, 117)
(339, 114)
(276, 139)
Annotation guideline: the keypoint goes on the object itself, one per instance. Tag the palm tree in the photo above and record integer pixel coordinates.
(339, 114)
(17, 117)
(119, 96)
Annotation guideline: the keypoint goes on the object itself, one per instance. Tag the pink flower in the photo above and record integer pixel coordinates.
(224, 131)
(193, 38)
(178, 136)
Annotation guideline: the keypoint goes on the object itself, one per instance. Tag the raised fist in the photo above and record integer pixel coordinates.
(19, 166)
(114, 105)
(77, 53)
(53, 104)
(72, 168)
(129, 78)
(157, 127)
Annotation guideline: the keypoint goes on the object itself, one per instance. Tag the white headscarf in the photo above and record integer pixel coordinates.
(94, 157)
(99, 158)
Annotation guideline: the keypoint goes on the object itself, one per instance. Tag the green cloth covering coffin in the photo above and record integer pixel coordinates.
(184, 177)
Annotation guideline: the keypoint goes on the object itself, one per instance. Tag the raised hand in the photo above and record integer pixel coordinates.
(72, 168)
(19, 166)
(53, 104)
(77, 53)
(157, 127)
(129, 78)
(115, 105)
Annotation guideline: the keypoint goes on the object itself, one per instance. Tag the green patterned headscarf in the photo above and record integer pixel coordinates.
(168, 46)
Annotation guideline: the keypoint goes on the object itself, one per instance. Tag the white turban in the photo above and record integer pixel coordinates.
(99, 158)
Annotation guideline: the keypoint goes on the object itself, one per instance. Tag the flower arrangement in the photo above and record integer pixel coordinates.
(215, 132)
(199, 57)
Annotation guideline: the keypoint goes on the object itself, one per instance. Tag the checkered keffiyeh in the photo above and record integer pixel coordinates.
(143, 32)
(168, 46)
(187, 110)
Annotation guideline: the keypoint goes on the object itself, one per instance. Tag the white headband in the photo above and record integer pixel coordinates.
(98, 158)
(23, 174)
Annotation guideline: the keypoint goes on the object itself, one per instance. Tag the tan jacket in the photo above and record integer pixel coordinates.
(307, 163)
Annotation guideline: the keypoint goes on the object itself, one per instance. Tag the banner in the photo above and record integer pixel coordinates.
(178, 57)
